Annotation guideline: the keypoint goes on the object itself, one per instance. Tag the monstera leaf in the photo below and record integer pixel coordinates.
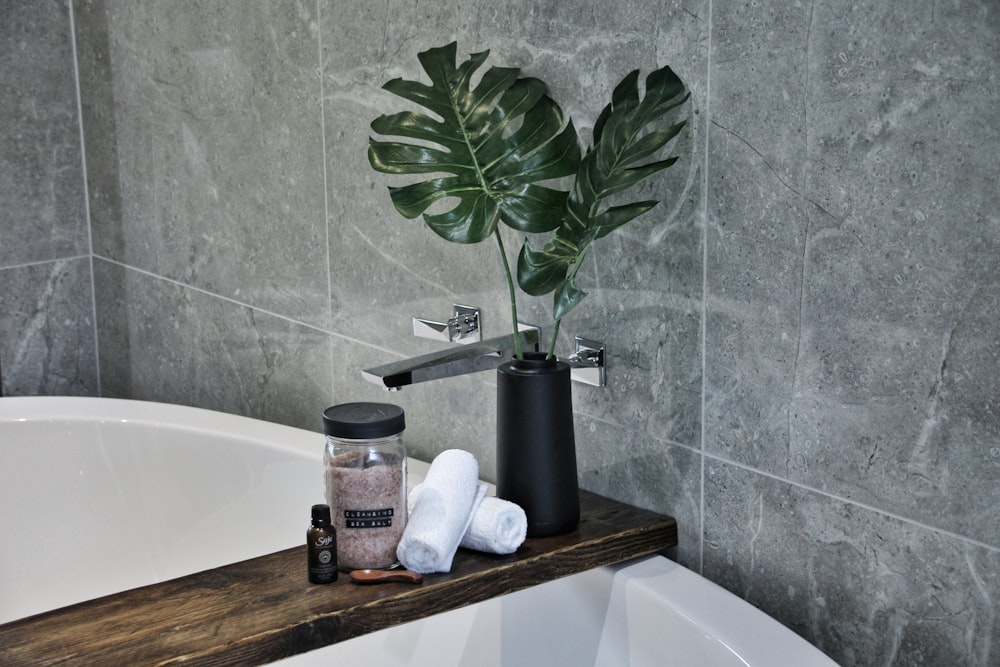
(489, 147)
(628, 131)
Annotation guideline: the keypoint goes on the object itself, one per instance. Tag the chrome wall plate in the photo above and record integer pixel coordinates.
(587, 365)
(464, 326)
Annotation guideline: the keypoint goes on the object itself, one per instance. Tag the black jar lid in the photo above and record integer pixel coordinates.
(363, 421)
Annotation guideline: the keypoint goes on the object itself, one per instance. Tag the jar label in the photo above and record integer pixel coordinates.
(368, 518)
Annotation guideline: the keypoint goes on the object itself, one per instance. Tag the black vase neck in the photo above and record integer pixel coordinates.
(533, 361)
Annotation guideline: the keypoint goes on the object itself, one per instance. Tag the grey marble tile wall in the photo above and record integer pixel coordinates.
(47, 330)
(47, 323)
(218, 157)
(162, 341)
(851, 345)
(803, 345)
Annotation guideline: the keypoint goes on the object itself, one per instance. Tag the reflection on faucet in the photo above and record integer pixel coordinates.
(587, 365)
(453, 361)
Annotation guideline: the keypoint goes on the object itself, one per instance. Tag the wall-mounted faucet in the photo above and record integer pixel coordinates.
(479, 356)
(587, 364)
(464, 326)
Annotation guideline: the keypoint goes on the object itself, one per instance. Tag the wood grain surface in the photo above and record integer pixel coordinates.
(264, 609)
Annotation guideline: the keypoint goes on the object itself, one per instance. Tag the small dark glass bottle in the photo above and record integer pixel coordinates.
(321, 539)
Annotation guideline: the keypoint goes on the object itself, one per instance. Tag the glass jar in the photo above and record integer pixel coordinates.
(365, 463)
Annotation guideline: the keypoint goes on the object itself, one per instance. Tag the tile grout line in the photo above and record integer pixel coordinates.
(321, 73)
(798, 485)
(847, 501)
(243, 304)
(704, 291)
(43, 262)
(86, 193)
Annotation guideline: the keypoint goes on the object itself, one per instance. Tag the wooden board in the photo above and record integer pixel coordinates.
(264, 609)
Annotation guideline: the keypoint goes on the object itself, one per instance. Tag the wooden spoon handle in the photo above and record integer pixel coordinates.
(379, 576)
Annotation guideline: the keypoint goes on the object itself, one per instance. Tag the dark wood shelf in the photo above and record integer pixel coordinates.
(264, 609)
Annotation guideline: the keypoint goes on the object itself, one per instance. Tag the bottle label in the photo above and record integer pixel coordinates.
(368, 518)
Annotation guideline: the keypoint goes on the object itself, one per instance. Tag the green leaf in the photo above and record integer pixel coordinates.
(472, 221)
(628, 131)
(567, 297)
(525, 98)
(488, 147)
(540, 272)
(393, 157)
(623, 179)
(533, 208)
(557, 158)
(495, 82)
(652, 142)
(415, 126)
(496, 173)
(412, 200)
(616, 216)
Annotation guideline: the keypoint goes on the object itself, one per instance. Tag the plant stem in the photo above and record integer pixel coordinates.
(552, 341)
(518, 352)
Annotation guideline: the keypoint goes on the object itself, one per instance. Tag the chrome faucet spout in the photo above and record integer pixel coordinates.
(458, 360)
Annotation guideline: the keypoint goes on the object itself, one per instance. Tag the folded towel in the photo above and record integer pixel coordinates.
(441, 513)
(498, 526)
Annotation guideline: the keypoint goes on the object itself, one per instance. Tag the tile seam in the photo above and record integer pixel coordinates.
(86, 193)
(861, 505)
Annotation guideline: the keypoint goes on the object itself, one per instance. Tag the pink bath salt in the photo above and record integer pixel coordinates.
(369, 509)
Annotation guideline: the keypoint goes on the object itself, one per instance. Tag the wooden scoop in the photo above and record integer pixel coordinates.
(380, 576)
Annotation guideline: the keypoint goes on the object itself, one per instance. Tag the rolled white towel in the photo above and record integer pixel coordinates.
(441, 513)
(498, 526)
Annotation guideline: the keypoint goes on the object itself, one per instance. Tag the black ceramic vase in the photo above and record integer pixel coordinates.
(536, 451)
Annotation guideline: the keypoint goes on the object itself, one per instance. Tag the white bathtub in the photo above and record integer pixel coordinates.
(650, 612)
(99, 496)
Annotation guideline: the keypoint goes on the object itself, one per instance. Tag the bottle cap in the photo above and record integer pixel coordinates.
(321, 515)
(363, 421)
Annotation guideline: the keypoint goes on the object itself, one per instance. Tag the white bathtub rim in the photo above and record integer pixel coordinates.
(734, 625)
(152, 413)
(134, 428)
(102, 410)
(694, 622)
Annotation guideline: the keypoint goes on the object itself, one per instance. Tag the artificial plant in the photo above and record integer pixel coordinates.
(500, 148)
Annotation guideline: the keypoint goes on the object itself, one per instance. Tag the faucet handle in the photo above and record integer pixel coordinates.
(587, 365)
(463, 327)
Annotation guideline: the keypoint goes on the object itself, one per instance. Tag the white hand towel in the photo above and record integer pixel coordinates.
(498, 526)
(441, 513)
